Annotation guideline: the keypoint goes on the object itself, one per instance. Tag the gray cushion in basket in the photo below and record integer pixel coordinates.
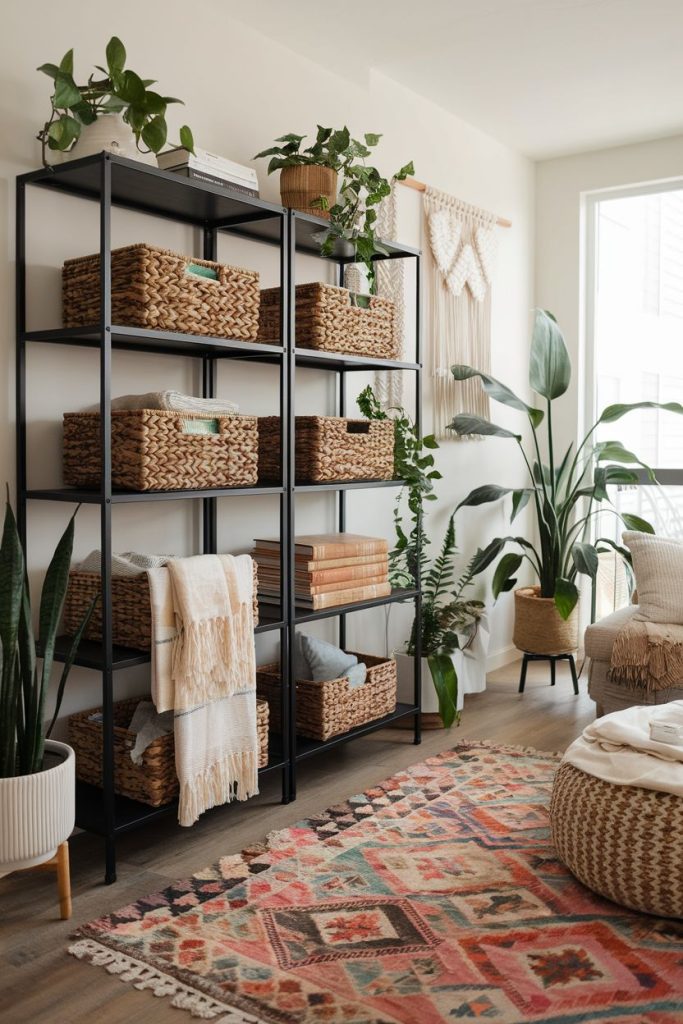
(326, 661)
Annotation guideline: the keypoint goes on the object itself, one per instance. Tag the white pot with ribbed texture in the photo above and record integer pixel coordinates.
(38, 811)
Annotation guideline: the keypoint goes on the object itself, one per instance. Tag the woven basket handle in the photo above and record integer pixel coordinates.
(358, 426)
(203, 270)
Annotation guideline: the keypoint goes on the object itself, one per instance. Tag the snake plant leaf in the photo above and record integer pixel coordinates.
(69, 660)
(549, 364)
(585, 559)
(633, 522)
(566, 596)
(12, 571)
(615, 412)
(52, 600)
(445, 680)
(484, 494)
(503, 576)
(498, 391)
(466, 424)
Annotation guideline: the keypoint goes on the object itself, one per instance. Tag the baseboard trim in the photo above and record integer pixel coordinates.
(505, 656)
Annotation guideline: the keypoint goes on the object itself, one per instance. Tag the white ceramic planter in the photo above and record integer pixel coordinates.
(109, 132)
(37, 812)
(405, 689)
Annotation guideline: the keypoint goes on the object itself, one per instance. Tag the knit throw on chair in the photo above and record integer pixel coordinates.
(204, 668)
(462, 246)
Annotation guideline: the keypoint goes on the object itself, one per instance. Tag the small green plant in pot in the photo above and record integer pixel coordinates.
(37, 776)
(566, 489)
(116, 110)
(449, 618)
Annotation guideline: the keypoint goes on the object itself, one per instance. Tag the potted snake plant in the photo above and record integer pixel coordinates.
(37, 774)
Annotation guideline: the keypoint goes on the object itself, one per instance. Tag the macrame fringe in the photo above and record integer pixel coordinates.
(143, 976)
(235, 777)
(212, 658)
(390, 276)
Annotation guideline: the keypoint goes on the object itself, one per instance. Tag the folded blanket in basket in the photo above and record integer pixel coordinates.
(204, 667)
(128, 563)
(648, 654)
(173, 401)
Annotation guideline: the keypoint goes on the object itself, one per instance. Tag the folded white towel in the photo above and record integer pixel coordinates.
(172, 401)
(618, 749)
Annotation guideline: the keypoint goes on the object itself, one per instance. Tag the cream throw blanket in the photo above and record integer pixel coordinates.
(618, 749)
(647, 654)
(204, 667)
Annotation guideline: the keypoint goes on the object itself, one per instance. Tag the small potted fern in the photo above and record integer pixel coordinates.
(37, 774)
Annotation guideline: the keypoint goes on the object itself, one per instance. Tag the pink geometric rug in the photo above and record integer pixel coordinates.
(434, 897)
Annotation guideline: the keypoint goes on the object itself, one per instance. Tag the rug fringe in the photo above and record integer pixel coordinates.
(142, 976)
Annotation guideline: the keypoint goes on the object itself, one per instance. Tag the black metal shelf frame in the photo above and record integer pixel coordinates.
(113, 181)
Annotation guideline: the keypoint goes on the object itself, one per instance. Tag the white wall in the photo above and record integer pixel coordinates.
(561, 187)
(241, 90)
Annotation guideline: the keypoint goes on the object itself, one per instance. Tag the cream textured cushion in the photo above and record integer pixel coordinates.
(600, 635)
(658, 566)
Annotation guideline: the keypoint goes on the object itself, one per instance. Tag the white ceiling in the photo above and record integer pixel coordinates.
(547, 77)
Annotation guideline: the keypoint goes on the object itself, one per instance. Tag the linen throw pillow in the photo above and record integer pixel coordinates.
(658, 568)
(326, 661)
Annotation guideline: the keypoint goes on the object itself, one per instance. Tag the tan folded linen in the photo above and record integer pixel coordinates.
(647, 654)
(173, 401)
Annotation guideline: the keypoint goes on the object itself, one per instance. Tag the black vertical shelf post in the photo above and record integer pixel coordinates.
(417, 732)
(286, 501)
(105, 325)
(20, 289)
(288, 425)
(209, 505)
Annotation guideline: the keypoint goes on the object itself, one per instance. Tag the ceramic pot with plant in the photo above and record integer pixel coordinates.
(116, 110)
(566, 489)
(37, 775)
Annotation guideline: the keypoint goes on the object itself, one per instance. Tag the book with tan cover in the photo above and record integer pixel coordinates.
(303, 593)
(303, 564)
(365, 571)
(330, 545)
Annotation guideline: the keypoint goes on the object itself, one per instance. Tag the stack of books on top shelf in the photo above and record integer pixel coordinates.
(209, 167)
(330, 569)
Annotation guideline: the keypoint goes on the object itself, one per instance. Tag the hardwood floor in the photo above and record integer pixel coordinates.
(41, 984)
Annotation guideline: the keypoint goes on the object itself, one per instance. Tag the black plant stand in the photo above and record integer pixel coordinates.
(553, 659)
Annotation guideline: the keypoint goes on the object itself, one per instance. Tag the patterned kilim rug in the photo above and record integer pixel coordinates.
(435, 896)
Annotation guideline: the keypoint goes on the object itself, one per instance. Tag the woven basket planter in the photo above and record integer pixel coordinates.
(539, 627)
(152, 288)
(154, 780)
(300, 186)
(329, 448)
(329, 708)
(623, 842)
(157, 450)
(131, 614)
(328, 321)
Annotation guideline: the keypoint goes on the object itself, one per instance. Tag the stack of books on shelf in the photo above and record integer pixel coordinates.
(209, 167)
(330, 569)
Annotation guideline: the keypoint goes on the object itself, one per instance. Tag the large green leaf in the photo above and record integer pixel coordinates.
(498, 391)
(11, 593)
(466, 424)
(52, 602)
(154, 134)
(614, 451)
(116, 54)
(520, 499)
(566, 596)
(445, 680)
(131, 89)
(549, 364)
(503, 578)
(585, 559)
(186, 138)
(67, 94)
(633, 522)
(615, 412)
(484, 494)
(485, 556)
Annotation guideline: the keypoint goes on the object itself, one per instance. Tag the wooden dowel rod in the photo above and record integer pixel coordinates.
(420, 186)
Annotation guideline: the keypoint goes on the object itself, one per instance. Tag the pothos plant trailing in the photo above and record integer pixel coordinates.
(567, 488)
(118, 90)
(447, 613)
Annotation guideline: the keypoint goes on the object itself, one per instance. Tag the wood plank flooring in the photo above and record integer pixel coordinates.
(41, 984)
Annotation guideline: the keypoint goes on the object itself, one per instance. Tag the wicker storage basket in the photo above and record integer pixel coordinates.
(539, 627)
(327, 320)
(152, 288)
(131, 616)
(329, 708)
(152, 782)
(156, 450)
(329, 448)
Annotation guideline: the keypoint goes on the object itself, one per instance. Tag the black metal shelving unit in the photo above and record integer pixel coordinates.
(112, 181)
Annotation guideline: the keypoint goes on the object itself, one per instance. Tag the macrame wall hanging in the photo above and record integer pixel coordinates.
(387, 384)
(459, 268)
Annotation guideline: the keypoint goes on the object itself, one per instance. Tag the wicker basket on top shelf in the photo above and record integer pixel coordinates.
(154, 780)
(329, 448)
(333, 707)
(157, 289)
(331, 319)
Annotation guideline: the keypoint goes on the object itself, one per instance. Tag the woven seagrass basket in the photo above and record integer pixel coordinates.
(131, 615)
(302, 185)
(539, 627)
(332, 707)
(153, 288)
(154, 780)
(158, 450)
(624, 842)
(329, 448)
(328, 320)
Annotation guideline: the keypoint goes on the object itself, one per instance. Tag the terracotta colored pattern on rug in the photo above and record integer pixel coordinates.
(433, 897)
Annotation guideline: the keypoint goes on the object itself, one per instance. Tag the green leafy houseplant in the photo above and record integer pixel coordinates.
(24, 685)
(566, 488)
(447, 614)
(119, 90)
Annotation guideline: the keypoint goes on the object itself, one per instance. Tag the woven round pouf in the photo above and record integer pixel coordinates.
(623, 842)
